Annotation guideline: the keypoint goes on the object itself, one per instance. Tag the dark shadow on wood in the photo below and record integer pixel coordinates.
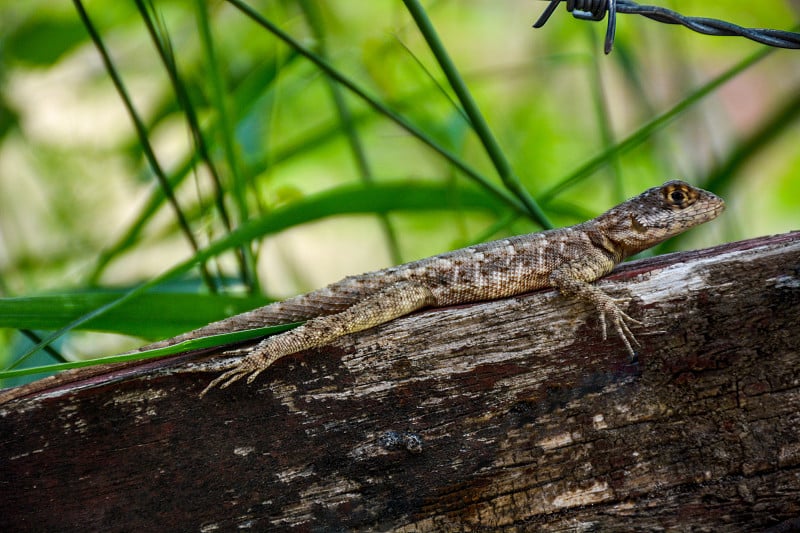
(506, 414)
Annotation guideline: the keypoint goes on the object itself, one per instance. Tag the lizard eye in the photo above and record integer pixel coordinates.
(679, 195)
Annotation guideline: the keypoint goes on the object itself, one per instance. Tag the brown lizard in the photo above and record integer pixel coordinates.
(567, 258)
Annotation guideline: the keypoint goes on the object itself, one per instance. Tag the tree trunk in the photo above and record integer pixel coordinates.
(511, 414)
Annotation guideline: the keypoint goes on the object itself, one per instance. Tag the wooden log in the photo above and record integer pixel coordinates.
(504, 415)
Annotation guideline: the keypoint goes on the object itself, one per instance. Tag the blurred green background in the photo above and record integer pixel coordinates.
(348, 149)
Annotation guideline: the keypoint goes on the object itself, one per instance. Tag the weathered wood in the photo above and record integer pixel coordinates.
(511, 414)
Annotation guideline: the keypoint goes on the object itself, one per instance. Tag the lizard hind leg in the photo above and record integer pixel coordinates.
(261, 356)
(394, 301)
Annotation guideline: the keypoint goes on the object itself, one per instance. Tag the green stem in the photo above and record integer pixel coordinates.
(227, 134)
(646, 131)
(328, 69)
(313, 17)
(479, 124)
(141, 132)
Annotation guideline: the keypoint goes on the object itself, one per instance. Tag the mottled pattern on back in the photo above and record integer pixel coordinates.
(494, 269)
(523, 263)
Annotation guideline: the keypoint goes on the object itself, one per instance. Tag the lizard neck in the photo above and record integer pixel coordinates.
(614, 249)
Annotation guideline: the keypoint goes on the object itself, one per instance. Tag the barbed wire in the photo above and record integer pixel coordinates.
(597, 9)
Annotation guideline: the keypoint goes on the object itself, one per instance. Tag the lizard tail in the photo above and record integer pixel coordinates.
(329, 300)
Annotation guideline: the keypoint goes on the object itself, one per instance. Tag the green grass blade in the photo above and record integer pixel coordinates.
(328, 69)
(142, 134)
(212, 341)
(312, 15)
(244, 97)
(226, 135)
(646, 131)
(479, 124)
(152, 315)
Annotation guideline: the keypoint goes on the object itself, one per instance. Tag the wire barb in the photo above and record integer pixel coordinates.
(597, 9)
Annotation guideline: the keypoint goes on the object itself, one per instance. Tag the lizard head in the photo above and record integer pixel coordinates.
(658, 214)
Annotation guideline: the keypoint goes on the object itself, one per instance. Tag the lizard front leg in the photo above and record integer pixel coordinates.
(572, 278)
(392, 302)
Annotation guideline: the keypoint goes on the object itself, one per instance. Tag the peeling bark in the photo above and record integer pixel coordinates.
(512, 414)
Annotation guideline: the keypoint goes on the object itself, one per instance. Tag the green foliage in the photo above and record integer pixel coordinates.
(192, 344)
(262, 127)
(178, 312)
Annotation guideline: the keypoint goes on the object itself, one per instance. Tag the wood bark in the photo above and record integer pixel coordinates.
(506, 415)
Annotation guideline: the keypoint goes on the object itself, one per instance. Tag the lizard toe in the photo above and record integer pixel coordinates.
(232, 376)
(252, 377)
(226, 379)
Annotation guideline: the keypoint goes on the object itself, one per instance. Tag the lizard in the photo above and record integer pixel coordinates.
(568, 259)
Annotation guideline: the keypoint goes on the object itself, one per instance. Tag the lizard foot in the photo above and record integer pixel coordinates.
(246, 367)
(620, 320)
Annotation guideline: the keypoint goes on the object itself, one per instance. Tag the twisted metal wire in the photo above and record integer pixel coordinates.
(596, 10)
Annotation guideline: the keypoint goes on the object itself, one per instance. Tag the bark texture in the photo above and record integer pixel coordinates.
(505, 415)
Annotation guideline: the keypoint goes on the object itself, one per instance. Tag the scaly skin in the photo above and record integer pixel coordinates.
(566, 258)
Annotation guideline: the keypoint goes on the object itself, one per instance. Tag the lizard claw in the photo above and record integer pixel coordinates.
(226, 379)
(253, 375)
(620, 320)
(250, 367)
